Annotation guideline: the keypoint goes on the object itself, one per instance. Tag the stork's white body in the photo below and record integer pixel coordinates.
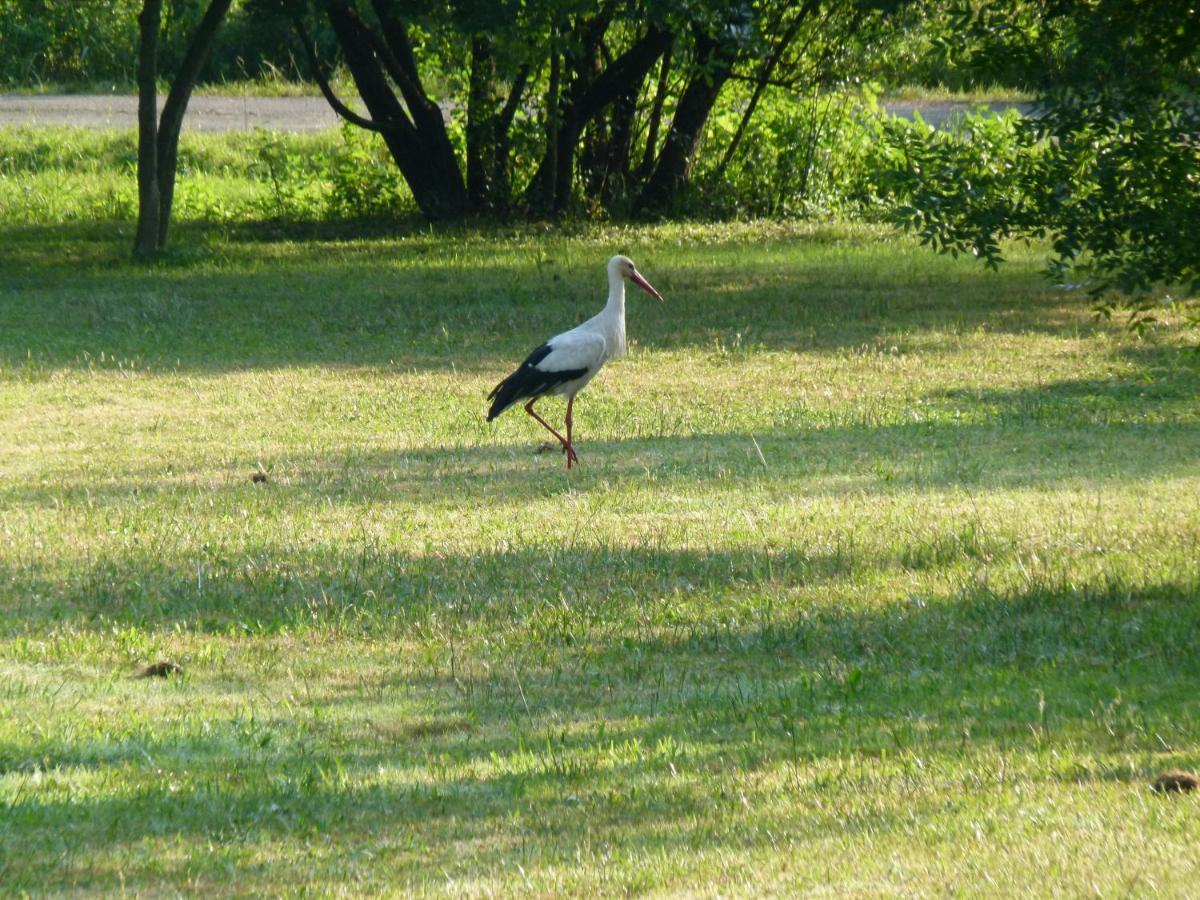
(590, 345)
(568, 361)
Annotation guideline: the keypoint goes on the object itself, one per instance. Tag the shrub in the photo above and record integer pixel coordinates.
(954, 186)
(800, 155)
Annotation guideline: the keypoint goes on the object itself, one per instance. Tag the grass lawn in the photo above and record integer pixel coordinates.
(880, 573)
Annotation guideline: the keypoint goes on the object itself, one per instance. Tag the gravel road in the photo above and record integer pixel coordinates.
(204, 113)
(212, 113)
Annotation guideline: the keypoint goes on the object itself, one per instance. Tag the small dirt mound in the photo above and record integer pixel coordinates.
(164, 668)
(259, 477)
(1176, 781)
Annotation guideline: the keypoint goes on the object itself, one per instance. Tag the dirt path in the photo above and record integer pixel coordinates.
(211, 113)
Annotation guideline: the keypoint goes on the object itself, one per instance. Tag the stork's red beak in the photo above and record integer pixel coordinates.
(646, 286)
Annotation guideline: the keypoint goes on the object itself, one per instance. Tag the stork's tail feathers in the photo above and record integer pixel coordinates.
(525, 381)
(502, 396)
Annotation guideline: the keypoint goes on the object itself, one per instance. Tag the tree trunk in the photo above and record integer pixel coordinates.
(714, 66)
(426, 114)
(145, 242)
(646, 166)
(626, 73)
(543, 181)
(398, 131)
(481, 119)
(176, 105)
(502, 174)
(158, 139)
(607, 168)
(419, 145)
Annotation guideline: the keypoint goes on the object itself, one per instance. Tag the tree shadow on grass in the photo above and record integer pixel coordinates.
(1164, 386)
(356, 574)
(644, 741)
(1078, 434)
(376, 589)
(420, 303)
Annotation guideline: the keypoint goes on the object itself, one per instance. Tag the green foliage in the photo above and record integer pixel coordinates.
(956, 187)
(94, 42)
(291, 174)
(29, 150)
(1108, 166)
(53, 40)
(365, 182)
(50, 175)
(800, 155)
(350, 178)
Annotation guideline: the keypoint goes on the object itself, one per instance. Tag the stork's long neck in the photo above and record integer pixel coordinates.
(616, 296)
(614, 311)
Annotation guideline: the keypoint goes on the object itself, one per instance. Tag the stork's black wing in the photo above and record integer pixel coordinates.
(529, 381)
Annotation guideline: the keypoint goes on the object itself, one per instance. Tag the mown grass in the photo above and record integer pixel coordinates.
(879, 573)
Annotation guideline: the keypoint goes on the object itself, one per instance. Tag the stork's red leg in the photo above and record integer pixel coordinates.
(570, 448)
(562, 440)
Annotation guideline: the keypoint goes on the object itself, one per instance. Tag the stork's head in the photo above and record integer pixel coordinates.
(623, 267)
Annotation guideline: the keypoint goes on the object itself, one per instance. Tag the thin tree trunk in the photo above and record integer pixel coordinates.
(546, 174)
(488, 139)
(481, 120)
(176, 105)
(760, 85)
(588, 67)
(627, 71)
(145, 243)
(646, 166)
(501, 173)
(613, 161)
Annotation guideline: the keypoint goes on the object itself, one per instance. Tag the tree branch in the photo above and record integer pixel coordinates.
(509, 111)
(189, 69)
(768, 67)
(395, 52)
(327, 89)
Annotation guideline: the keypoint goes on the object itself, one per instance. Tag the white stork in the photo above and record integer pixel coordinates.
(567, 362)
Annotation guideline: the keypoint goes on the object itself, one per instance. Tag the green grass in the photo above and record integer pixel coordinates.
(879, 574)
(69, 176)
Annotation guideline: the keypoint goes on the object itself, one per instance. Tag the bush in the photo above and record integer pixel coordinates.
(92, 41)
(954, 186)
(55, 175)
(366, 183)
(292, 173)
(44, 40)
(800, 155)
